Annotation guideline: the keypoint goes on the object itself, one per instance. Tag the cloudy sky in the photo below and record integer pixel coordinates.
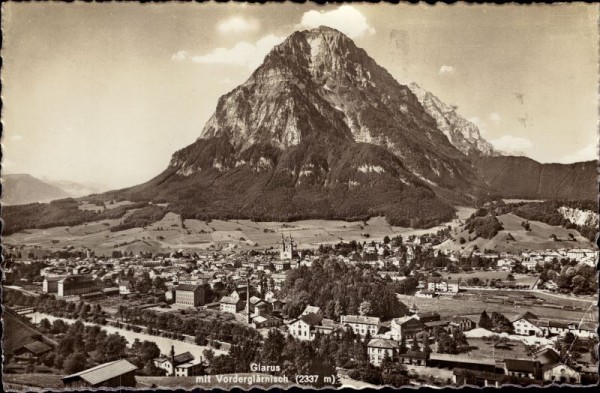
(105, 93)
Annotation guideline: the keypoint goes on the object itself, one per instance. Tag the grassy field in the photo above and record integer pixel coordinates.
(25, 381)
(173, 233)
(473, 303)
(536, 239)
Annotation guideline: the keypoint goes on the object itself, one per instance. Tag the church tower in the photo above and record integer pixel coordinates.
(287, 248)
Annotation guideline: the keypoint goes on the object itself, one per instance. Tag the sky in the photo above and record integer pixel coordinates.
(106, 93)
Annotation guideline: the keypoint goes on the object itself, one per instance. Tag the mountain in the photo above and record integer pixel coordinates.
(20, 189)
(522, 177)
(462, 134)
(319, 130)
(75, 189)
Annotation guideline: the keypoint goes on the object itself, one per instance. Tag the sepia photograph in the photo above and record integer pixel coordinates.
(341, 195)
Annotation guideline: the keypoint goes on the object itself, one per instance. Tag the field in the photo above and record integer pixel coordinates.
(473, 304)
(173, 233)
(524, 279)
(536, 239)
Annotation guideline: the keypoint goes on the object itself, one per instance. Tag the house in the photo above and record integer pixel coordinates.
(32, 350)
(261, 321)
(189, 295)
(438, 284)
(427, 316)
(235, 302)
(116, 374)
(312, 310)
(78, 285)
(304, 327)
(380, 348)
(526, 325)
(560, 373)
(182, 365)
(522, 368)
(360, 324)
(282, 265)
(463, 323)
(125, 287)
(407, 327)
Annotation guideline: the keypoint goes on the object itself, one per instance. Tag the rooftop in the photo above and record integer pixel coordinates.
(103, 372)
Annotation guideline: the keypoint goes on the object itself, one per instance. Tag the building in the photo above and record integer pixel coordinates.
(288, 248)
(50, 284)
(125, 287)
(78, 285)
(407, 327)
(361, 325)
(182, 365)
(527, 325)
(31, 351)
(304, 327)
(231, 304)
(463, 323)
(560, 373)
(312, 310)
(438, 284)
(189, 295)
(380, 348)
(117, 374)
(522, 368)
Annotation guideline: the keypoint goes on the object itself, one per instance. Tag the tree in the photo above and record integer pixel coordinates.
(209, 355)
(45, 325)
(415, 345)
(386, 239)
(403, 348)
(273, 347)
(426, 345)
(75, 362)
(365, 308)
(485, 322)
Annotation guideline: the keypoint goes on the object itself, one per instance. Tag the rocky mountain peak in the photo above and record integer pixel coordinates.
(462, 133)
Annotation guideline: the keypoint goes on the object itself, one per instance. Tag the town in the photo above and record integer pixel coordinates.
(395, 311)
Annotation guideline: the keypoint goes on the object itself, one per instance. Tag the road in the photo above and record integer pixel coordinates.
(163, 343)
(20, 289)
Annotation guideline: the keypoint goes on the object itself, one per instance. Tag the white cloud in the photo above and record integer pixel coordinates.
(346, 19)
(15, 137)
(588, 153)
(180, 56)
(511, 143)
(238, 24)
(241, 54)
(495, 118)
(447, 70)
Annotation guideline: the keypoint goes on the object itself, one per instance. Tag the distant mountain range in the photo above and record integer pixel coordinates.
(21, 189)
(320, 130)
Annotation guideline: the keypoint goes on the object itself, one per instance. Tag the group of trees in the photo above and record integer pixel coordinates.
(81, 347)
(484, 225)
(339, 289)
(63, 212)
(141, 218)
(497, 323)
(569, 276)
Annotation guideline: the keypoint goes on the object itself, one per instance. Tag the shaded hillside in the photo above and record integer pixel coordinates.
(20, 189)
(522, 177)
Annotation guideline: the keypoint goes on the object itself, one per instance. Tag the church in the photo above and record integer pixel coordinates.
(288, 250)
